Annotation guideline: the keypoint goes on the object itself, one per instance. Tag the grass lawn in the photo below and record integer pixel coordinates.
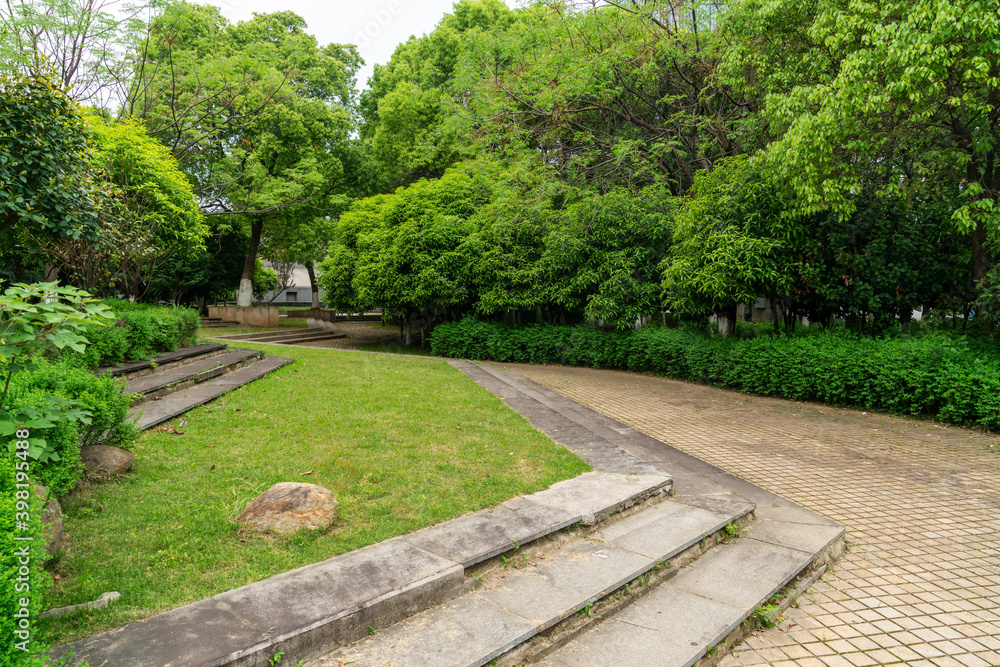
(403, 442)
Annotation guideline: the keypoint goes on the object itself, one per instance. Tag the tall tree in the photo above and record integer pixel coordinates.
(258, 113)
(904, 95)
(46, 188)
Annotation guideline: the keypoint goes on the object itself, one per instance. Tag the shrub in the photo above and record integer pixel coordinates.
(140, 331)
(14, 579)
(951, 378)
(102, 397)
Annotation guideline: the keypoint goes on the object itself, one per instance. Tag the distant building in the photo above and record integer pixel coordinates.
(298, 292)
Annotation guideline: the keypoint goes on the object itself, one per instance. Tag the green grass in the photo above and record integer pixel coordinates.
(403, 442)
(415, 351)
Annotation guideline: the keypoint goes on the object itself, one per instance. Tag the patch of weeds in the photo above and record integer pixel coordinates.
(372, 631)
(764, 615)
(588, 612)
(732, 531)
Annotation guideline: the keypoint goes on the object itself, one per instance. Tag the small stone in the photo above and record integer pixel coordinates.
(105, 459)
(52, 520)
(288, 506)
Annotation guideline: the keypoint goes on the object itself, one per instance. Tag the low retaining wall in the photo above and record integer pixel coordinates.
(257, 316)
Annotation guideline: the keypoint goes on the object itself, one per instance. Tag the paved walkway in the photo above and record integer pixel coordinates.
(920, 584)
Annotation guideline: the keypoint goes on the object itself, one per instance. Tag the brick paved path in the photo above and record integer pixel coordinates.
(921, 502)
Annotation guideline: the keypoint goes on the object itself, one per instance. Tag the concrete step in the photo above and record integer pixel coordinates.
(160, 410)
(162, 383)
(804, 540)
(705, 606)
(299, 336)
(544, 596)
(340, 600)
(184, 355)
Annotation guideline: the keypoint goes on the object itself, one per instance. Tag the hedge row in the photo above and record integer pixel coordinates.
(943, 376)
(101, 396)
(21, 576)
(141, 331)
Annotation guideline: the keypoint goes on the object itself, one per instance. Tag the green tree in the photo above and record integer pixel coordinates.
(46, 189)
(257, 113)
(731, 244)
(905, 95)
(412, 109)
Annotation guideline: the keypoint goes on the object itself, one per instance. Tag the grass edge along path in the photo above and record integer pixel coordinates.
(403, 443)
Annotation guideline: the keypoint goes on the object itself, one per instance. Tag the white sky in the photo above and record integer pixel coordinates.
(375, 26)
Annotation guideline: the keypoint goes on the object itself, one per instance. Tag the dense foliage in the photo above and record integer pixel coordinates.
(138, 332)
(937, 375)
(15, 585)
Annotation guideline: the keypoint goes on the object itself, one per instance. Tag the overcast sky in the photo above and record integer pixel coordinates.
(376, 26)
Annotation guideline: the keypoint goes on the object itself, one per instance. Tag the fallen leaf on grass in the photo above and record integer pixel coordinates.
(212, 468)
(210, 445)
(307, 472)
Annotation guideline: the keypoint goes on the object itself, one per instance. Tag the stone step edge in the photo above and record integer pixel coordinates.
(195, 378)
(174, 359)
(262, 335)
(770, 606)
(555, 633)
(783, 598)
(384, 609)
(563, 632)
(281, 362)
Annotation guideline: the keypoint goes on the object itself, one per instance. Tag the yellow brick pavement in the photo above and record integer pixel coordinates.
(920, 584)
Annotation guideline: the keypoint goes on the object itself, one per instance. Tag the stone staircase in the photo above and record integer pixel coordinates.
(674, 583)
(656, 558)
(171, 384)
(294, 337)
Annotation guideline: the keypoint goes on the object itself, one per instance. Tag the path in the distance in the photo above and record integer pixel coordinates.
(920, 584)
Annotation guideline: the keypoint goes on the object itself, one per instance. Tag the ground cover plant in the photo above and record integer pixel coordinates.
(140, 330)
(402, 442)
(949, 377)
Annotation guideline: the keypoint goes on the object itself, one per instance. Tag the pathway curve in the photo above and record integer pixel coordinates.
(920, 584)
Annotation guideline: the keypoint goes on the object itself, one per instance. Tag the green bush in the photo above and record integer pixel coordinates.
(951, 378)
(17, 583)
(103, 397)
(140, 331)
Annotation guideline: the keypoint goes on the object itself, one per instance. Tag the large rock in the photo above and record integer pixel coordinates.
(52, 520)
(288, 506)
(105, 459)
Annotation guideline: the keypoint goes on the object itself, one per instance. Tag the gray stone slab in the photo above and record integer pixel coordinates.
(725, 502)
(162, 379)
(473, 538)
(332, 601)
(168, 358)
(156, 412)
(788, 512)
(743, 573)
(597, 495)
(667, 628)
(565, 582)
(665, 530)
(614, 459)
(465, 631)
(805, 537)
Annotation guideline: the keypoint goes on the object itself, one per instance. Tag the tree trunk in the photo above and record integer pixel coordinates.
(314, 285)
(244, 297)
(727, 320)
(981, 261)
